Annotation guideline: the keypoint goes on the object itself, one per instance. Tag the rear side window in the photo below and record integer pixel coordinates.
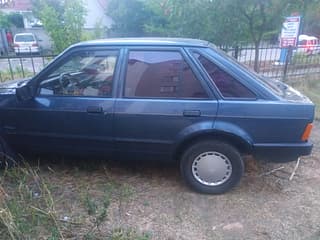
(161, 74)
(228, 86)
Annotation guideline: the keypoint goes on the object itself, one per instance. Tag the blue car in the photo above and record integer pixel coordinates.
(181, 100)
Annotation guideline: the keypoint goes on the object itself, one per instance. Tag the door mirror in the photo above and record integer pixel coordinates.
(25, 92)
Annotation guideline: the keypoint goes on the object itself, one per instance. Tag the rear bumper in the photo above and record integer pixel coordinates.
(281, 152)
(27, 50)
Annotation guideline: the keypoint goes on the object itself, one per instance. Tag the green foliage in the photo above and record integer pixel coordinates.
(63, 20)
(311, 17)
(211, 20)
(177, 18)
(310, 86)
(4, 21)
(11, 19)
(26, 204)
(16, 19)
(223, 22)
(17, 73)
(122, 234)
(98, 32)
(129, 17)
(90, 204)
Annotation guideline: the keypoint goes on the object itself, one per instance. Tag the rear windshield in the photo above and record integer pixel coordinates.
(24, 38)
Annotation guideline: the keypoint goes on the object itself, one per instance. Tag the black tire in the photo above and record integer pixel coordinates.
(224, 154)
(8, 157)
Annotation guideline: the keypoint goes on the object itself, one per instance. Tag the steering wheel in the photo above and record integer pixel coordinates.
(65, 80)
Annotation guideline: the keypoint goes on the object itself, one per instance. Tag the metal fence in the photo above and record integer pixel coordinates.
(304, 60)
(15, 67)
(299, 61)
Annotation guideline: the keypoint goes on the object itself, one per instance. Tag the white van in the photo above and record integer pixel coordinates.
(308, 44)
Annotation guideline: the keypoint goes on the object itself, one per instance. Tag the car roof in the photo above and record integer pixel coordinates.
(146, 41)
(306, 37)
(24, 34)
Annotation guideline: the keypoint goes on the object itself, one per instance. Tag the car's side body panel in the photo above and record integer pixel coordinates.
(274, 128)
(267, 122)
(151, 127)
(59, 124)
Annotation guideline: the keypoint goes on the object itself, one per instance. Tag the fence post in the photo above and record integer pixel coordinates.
(288, 59)
(10, 68)
(236, 52)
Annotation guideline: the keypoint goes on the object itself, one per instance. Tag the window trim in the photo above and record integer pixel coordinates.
(184, 56)
(211, 81)
(63, 57)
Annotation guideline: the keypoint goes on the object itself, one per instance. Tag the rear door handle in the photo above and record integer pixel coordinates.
(192, 113)
(94, 109)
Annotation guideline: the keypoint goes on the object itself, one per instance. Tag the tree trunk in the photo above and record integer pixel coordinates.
(256, 56)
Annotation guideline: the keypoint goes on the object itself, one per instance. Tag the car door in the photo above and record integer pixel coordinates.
(73, 108)
(162, 98)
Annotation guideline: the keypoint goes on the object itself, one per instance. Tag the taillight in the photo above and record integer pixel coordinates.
(35, 45)
(307, 131)
(15, 45)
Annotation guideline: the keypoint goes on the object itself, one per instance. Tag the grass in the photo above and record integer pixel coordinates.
(17, 73)
(129, 234)
(310, 86)
(305, 59)
(31, 208)
(27, 204)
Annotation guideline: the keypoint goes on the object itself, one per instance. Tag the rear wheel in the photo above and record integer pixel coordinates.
(212, 167)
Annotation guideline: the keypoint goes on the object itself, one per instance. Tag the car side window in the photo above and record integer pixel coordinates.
(161, 74)
(84, 73)
(228, 86)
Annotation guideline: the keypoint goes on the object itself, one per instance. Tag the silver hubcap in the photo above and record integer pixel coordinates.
(211, 168)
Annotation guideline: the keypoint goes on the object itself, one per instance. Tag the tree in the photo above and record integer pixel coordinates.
(205, 19)
(16, 19)
(264, 17)
(129, 17)
(11, 19)
(222, 22)
(176, 18)
(63, 20)
(309, 10)
(4, 21)
(260, 17)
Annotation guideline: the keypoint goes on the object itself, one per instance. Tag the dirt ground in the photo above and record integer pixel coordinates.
(153, 199)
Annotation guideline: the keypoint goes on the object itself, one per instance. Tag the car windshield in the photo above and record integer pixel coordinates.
(275, 86)
(24, 38)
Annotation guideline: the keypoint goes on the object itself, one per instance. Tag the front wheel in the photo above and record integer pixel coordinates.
(212, 167)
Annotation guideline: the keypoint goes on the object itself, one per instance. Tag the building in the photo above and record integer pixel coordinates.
(96, 14)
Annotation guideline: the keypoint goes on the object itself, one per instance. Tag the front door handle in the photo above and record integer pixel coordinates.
(94, 109)
(192, 113)
(9, 129)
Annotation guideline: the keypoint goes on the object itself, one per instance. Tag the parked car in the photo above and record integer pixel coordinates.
(26, 43)
(308, 44)
(162, 99)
